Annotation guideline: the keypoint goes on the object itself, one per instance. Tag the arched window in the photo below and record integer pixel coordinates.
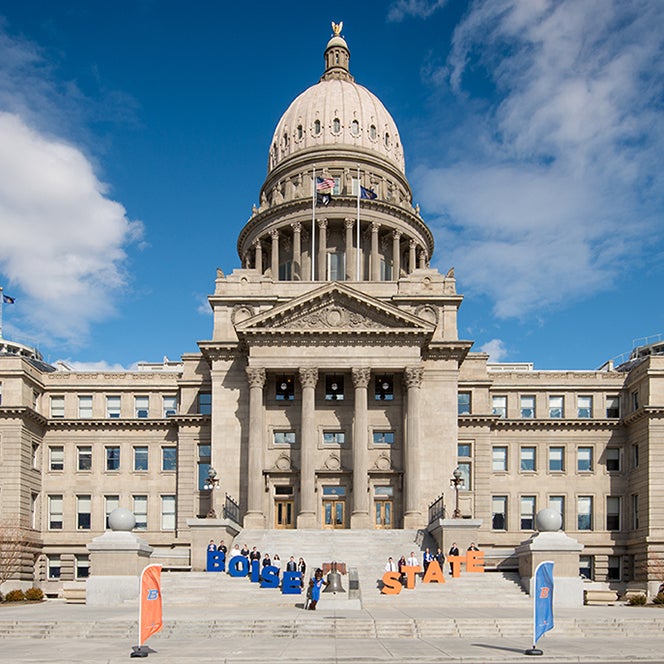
(336, 125)
(372, 132)
(299, 132)
(355, 128)
(387, 140)
(316, 127)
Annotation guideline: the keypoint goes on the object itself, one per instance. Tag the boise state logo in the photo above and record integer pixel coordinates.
(153, 594)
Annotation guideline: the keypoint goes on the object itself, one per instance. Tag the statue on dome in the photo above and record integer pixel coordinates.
(337, 28)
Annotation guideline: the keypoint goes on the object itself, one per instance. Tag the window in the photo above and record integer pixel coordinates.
(499, 459)
(169, 458)
(284, 437)
(384, 388)
(334, 387)
(170, 404)
(584, 407)
(464, 467)
(83, 512)
(56, 458)
(527, 405)
(113, 406)
(555, 407)
(584, 459)
(387, 140)
(205, 403)
(372, 132)
(333, 438)
(614, 569)
(613, 459)
(558, 503)
(285, 388)
(141, 407)
(586, 564)
(584, 508)
(110, 503)
(635, 400)
(464, 450)
(204, 462)
(499, 512)
(57, 407)
(85, 407)
(300, 132)
(613, 406)
(84, 454)
(527, 512)
(383, 437)
(82, 566)
(613, 513)
(527, 459)
(463, 407)
(53, 567)
(385, 270)
(33, 510)
(55, 512)
(168, 512)
(35, 455)
(113, 458)
(556, 459)
(336, 125)
(635, 456)
(286, 271)
(355, 128)
(336, 265)
(141, 512)
(499, 406)
(316, 127)
(140, 458)
(384, 491)
(635, 511)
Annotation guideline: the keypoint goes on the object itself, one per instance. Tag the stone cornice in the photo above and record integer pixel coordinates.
(22, 412)
(496, 422)
(216, 350)
(650, 412)
(447, 350)
(115, 424)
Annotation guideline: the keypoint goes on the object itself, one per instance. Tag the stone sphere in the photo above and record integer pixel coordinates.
(548, 520)
(121, 519)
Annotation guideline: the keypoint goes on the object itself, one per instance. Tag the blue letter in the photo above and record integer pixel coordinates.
(238, 566)
(270, 577)
(216, 561)
(255, 572)
(291, 585)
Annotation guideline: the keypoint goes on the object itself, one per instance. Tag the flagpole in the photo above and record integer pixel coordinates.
(357, 250)
(2, 301)
(313, 225)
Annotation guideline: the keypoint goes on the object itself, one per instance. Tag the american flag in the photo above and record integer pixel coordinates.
(324, 185)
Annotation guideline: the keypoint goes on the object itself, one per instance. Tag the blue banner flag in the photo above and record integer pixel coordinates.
(8, 300)
(367, 193)
(543, 600)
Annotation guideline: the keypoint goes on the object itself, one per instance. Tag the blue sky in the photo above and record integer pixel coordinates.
(134, 140)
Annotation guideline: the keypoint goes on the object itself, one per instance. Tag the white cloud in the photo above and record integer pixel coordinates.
(101, 366)
(547, 192)
(496, 350)
(399, 10)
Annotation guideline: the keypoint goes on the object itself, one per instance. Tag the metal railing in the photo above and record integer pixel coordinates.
(231, 510)
(437, 509)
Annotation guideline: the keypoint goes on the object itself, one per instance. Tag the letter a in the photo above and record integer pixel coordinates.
(433, 573)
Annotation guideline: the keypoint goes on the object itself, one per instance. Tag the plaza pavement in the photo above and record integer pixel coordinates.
(55, 632)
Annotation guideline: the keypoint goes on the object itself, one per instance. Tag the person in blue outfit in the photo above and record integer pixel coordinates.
(315, 586)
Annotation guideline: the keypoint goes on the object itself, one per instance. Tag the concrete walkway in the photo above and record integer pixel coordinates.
(56, 632)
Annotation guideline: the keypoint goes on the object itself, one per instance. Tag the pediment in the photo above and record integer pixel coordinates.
(334, 309)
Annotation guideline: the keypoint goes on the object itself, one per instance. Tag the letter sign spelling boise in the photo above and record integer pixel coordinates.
(474, 561)
(268, 577)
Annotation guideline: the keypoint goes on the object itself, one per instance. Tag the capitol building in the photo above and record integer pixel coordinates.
(334, 392)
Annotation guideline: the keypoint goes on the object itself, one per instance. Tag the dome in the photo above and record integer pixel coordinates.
(336, 112)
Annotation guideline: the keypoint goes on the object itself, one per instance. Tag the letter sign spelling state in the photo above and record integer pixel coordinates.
(455, 564)
(410, 572)
(475, 561)
(292, 583)
(391, 583)
(238, 566)
(270, 577)
(433, 573)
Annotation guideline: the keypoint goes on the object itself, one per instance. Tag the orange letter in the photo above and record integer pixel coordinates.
(410, 573)
(433, 573)
(475, 561)
(391, 583)
(455, 564)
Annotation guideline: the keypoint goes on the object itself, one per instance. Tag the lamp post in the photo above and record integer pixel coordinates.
(210, 485)
(456, 482)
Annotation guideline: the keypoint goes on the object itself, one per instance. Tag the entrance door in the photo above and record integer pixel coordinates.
(334, 513)
(283, 514)
(383, 509)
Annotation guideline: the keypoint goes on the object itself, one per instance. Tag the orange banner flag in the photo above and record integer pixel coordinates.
(149, 611)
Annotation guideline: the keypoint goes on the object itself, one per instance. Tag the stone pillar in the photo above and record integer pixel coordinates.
(350, 224)
(254, 518)
(258, 256)
(322, 249)
(423, 259)
(297, 251)
(412, 450)
(360, 516)
(411, 256)
(375, 259)
(274, 234)
(396, 255)
(307, 515)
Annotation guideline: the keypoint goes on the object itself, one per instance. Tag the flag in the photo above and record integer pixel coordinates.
(543, 600)
(324, 187)
(367, 193)
(149, 610)
(7, 299)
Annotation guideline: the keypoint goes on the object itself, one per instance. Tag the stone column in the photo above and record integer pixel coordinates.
(411, 256)
(396, 255)
(274, 234)
(297, 251)
(350, 224)
(322, 249)
(360, 517)
(423, 259)
(307, 515)
(375, 259)
(254, 518)
(412, 450)
(258, 256)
